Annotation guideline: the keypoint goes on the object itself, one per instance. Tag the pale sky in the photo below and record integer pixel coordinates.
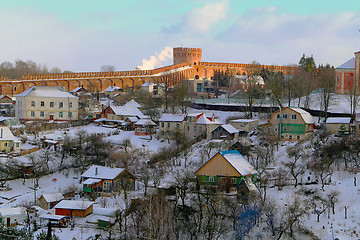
(84, 35)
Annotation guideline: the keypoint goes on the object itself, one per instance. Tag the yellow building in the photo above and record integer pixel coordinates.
(46, 103)
(8, 142)
(226, 167)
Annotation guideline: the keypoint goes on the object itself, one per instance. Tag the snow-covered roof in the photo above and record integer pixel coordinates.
(132, 103)
(100, 172)
(133, 119)
(112, 88)
(344, 120)
(45, 91)
(127, 111)
(171, 117)
(12, 211)
(239, 163)
(91, 181)
(205, 121)
(52, 217)
(229, 128)
(350, 64)
(147, 84)
(304, 114)
(6, 134)
(244, 120)
(53, 197)
(145, 122)
(75, 205)
(78, 89)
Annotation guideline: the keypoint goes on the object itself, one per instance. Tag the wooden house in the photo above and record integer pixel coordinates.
(145, 127)
(292, 124)
(48, 201)
(339, 126)
(12, 216)
(73, 208)
(227, 167)
(225, 131)
(102, 180)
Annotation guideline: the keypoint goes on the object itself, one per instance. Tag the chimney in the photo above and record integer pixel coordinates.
(96, 171)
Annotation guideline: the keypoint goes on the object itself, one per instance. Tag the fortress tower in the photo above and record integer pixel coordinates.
(189, 55)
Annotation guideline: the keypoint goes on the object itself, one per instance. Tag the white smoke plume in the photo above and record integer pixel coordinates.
(157, 60)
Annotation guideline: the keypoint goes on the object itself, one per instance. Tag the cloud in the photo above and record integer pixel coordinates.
(200, 20)
(157, 60)
(269, 35)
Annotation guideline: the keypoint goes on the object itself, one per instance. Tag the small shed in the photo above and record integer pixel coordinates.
(12, 216)
(225, 131)
(340, 126)
(48, 201)
(74, 208)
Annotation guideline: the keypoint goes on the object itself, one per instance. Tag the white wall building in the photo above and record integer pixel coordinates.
(46, 103)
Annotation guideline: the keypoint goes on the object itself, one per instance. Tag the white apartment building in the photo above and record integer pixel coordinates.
(46, 103)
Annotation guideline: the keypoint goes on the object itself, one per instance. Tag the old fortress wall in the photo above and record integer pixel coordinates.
(187, 65)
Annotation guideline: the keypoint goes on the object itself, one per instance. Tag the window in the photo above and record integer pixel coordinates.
(168, 125)
(60, 114)
(293, 116)
(285, 116)
(51, 104)
(69, 114)
(32, 113)
(70, 104)
(211, 179)
(42, 104)
(106, 186)
(33, 103)
(61, 104)
(41, 114)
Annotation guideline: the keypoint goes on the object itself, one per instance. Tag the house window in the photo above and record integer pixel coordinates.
(211, 179)
(106, 186)
(51, 104)
(60, 114)
(162, 125)
(61, 104)
(284, 116)
(33, 103)
(32, 113)
(70, 104)
(42, 103)
(293, 116)
(70, 114)
(41, 114)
